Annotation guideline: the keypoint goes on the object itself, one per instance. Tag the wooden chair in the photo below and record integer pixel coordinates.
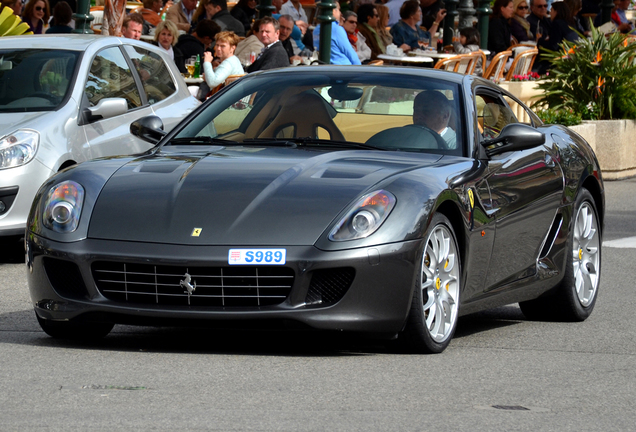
(522, 64)
(449, 63)
(98, 17)
(228, 80)
(376, 62)
(484, 61)
(497, 65)
(232, 78)
(468, 62)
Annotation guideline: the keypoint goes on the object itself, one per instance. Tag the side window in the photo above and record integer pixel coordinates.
(492, 115)
(520, 111)
(110, 77)
(154, 73)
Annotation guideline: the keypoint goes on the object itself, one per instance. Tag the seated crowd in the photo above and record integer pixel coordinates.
(362, 30)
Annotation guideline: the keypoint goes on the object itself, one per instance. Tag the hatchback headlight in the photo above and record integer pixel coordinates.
(18, 148)
(63, 207)
(365, 217)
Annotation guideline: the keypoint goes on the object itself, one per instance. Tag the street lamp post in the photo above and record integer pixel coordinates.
(326, 19)
(606, 10)
(83, 17)
(265, 8)
(449, 21)
(483, 14)
(466, 13)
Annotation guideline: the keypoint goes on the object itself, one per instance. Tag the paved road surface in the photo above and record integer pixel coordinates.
(500, 373)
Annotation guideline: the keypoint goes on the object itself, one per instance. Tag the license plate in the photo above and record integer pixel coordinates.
(257, 256)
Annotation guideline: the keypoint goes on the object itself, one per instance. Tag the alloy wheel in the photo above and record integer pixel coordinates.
(586, 254)
(440, 283)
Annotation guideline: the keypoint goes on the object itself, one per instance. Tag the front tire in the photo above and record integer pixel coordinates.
(434, 311)
(85, 331)
(576, 294)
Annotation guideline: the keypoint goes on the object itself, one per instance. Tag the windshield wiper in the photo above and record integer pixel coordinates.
(312, 142)
(203, 140)
(275, 142)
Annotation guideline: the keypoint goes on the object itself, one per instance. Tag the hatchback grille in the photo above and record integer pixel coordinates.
(213, 286)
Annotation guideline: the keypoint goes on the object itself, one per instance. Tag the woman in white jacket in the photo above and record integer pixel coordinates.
(229, 64)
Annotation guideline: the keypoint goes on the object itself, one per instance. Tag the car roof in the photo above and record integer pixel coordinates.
(72, 42)
(391, 70)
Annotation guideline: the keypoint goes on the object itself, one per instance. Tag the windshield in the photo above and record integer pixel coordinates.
(35, 80)
(385, 111)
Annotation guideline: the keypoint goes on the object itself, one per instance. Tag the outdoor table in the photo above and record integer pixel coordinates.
(193, 81)
(406, 59)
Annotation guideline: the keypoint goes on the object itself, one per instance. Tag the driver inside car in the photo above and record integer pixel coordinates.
(433, 110)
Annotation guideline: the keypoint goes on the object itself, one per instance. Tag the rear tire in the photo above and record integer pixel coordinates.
(84, 331)
(434, 311)
(576, 295)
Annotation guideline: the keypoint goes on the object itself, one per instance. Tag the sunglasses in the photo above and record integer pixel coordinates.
(352, 22)
(522, 7)
(542, 6)
(39, 8)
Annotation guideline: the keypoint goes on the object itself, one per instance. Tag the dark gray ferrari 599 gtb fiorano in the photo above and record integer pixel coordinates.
(379, 200)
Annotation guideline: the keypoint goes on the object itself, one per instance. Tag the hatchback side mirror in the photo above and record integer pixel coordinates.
(514, 136)
(149, 128)
(106, 108)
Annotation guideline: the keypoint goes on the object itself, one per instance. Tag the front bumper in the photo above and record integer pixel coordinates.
(376, 301)
(27, 179)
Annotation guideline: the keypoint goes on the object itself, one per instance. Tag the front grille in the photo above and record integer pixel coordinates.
(65, 278)
(328, 286)
(213, 286)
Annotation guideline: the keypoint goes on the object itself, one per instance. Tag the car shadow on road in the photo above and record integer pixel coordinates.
(21, 327)
(489, 320)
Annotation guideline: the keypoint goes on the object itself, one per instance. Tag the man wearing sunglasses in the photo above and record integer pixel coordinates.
(539, 21)
(540, 26)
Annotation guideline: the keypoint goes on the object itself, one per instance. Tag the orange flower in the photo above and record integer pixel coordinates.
(568, 52)
(599, 57)
(625, 43)
(599, 86)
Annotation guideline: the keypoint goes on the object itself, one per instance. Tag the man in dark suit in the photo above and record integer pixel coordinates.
(540, 26)
(273, 54)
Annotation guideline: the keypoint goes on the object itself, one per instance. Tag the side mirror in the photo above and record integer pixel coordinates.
(514, 136)
(106, 108)
(149, 128)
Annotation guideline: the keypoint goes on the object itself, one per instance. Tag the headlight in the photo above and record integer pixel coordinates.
(18, 148)
(365, 217)
(63, 207)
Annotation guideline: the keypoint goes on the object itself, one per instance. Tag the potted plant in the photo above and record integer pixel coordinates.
(596, 78)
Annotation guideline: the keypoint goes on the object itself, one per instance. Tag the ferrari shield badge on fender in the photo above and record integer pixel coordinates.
(196, 232)
(471, 197)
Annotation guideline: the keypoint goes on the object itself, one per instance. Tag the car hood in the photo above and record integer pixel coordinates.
(241, 196)
(10, 122)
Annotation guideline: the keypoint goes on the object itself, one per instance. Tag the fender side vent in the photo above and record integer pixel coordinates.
(549, 240)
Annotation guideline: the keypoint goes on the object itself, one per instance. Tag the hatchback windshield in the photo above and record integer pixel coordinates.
(374, 110)
(36, 79)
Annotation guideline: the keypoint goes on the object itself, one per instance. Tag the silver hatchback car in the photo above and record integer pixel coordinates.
(65, 99)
